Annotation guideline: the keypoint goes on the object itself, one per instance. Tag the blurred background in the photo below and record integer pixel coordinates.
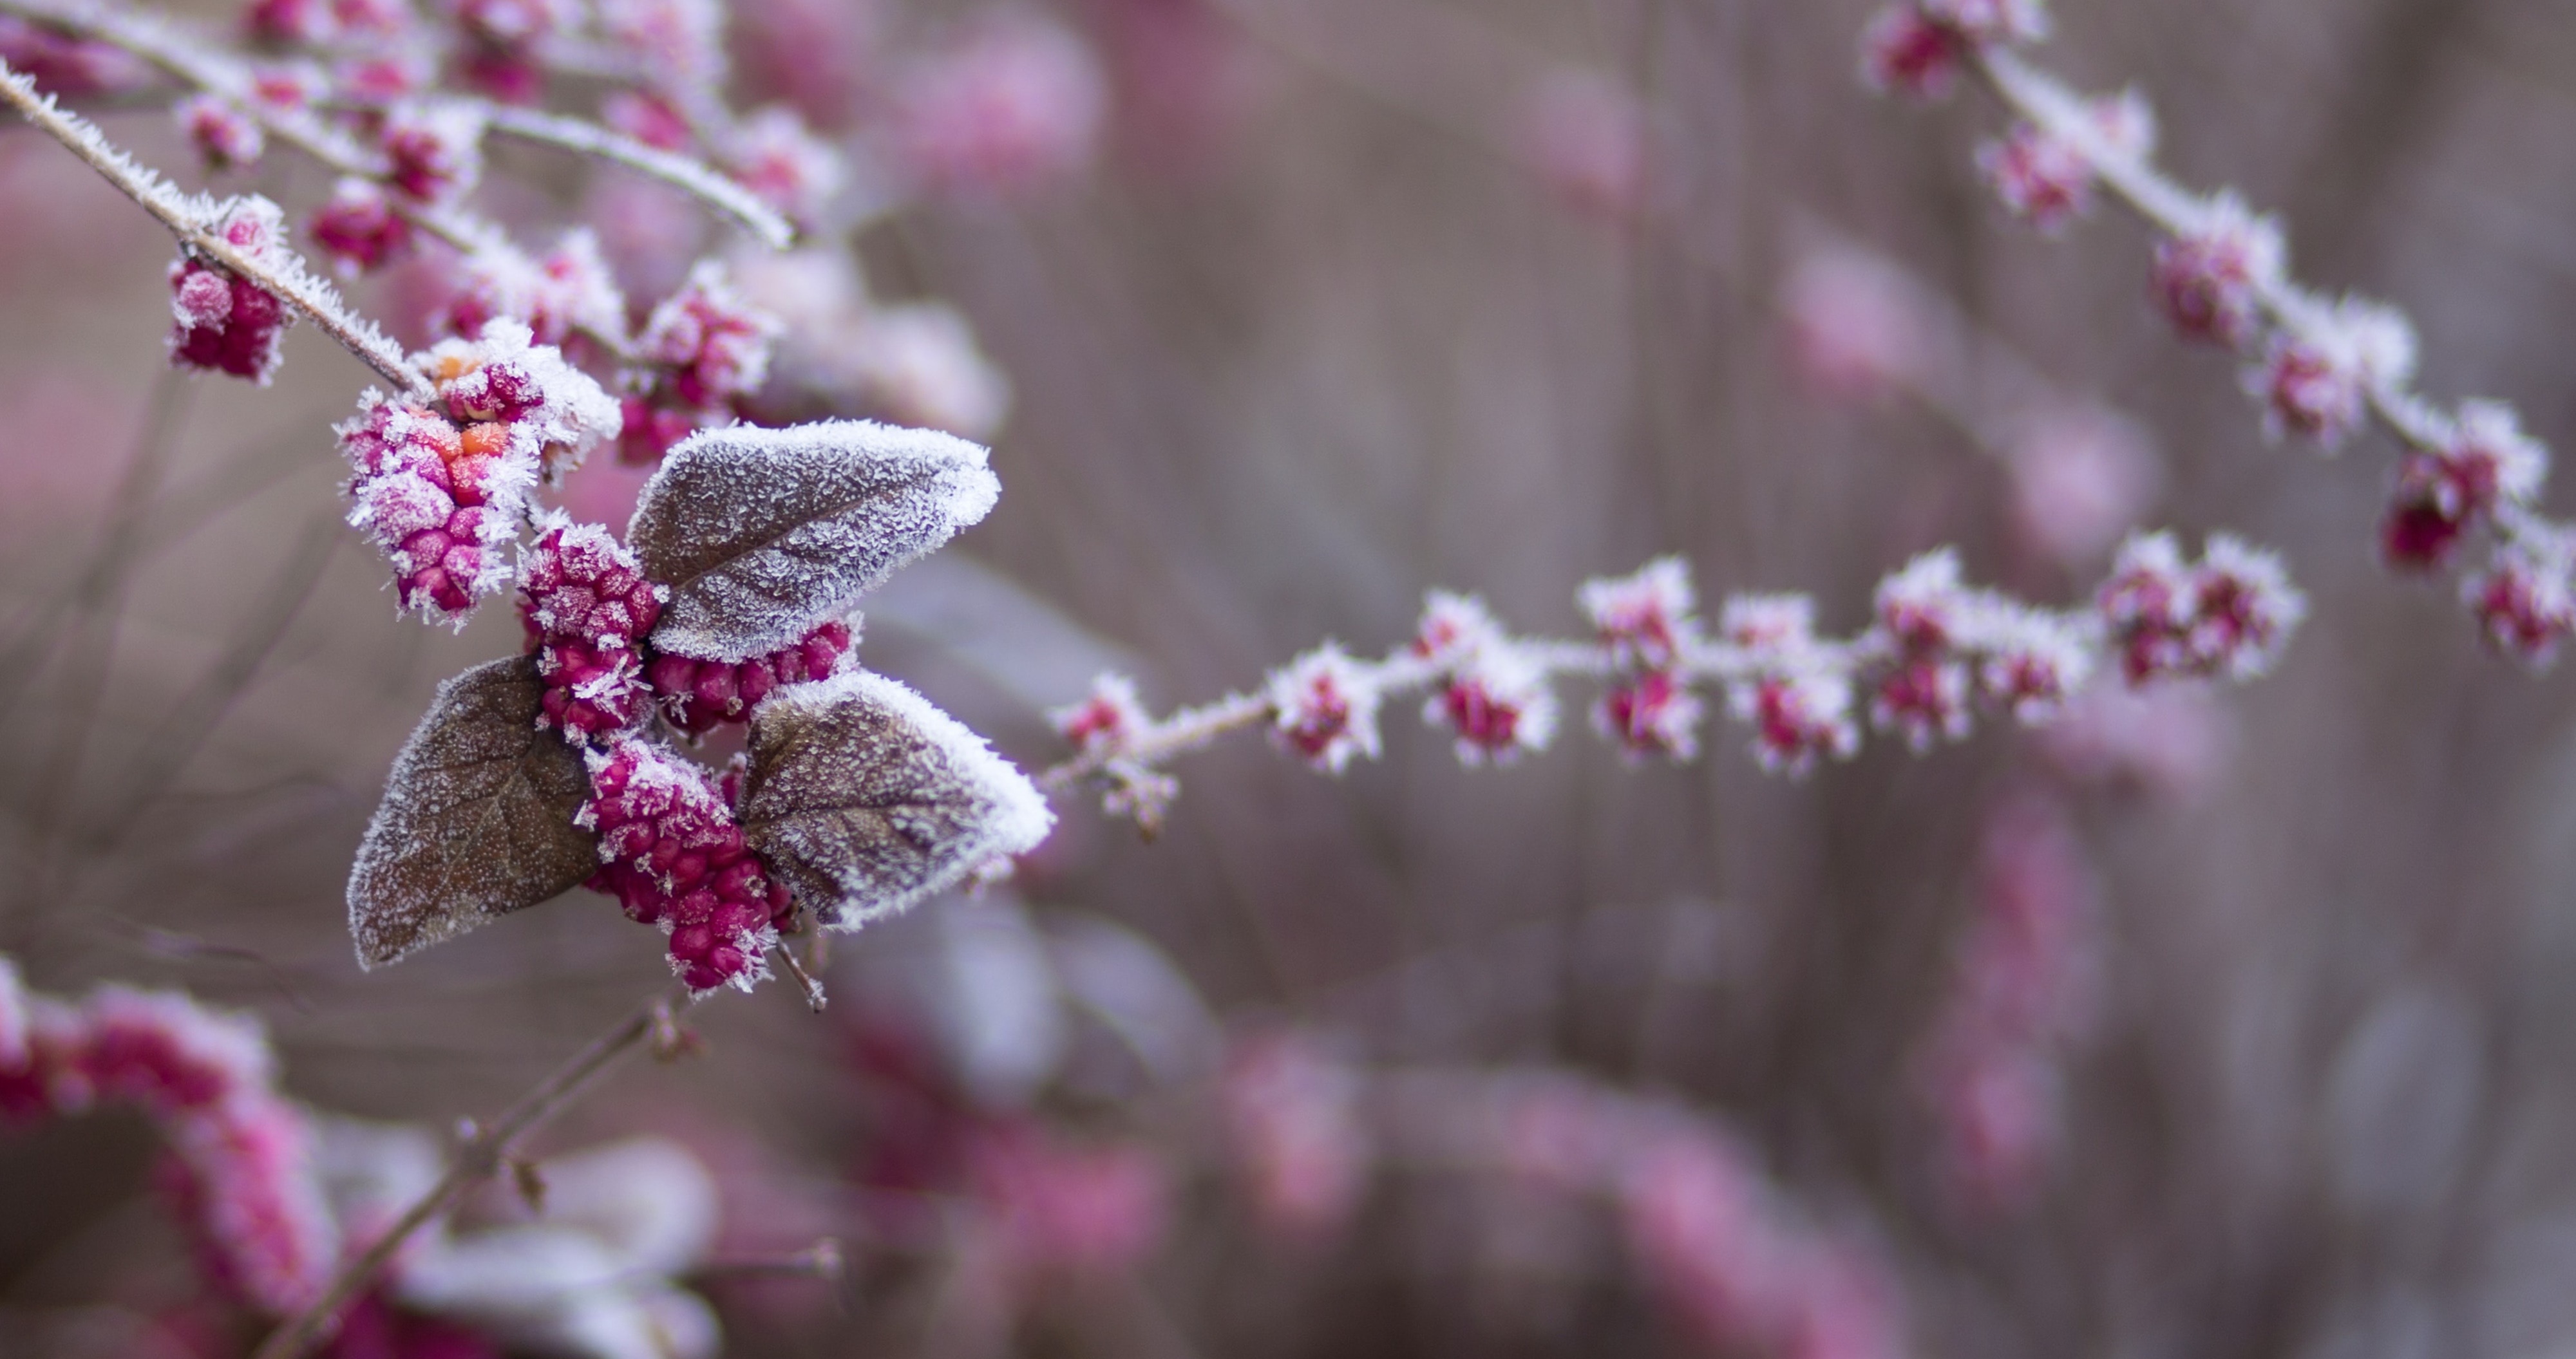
(2226, 1023)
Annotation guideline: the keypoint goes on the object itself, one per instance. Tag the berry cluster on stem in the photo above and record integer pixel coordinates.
(2321, 367)
(1934, 649)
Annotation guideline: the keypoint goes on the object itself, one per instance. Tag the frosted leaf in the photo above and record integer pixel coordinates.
(864, 799)
(476, 821)
(764, 533)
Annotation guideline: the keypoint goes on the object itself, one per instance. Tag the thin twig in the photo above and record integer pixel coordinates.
(685, 173)
(479, 1157)
(193, 219)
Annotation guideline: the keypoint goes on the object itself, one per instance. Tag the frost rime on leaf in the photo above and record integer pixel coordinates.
(477, 819)
(865, 799)
(764, 533)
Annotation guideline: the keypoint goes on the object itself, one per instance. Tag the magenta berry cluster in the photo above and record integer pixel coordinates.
(672, 855)
(236, 1164)
(359, 227)
(444, 491)
(587, 608)
(442, 502)
(2226, 615)
(699, 696)
(710, 349)
(224, 323)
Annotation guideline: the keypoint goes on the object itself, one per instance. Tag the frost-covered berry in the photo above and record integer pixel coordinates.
(2147, 603)
(503, 377)
(442, 503)
(587, 607)
(224, 323)
(568, 293)
(2244, 610)
(673, 856)
(1797, 717)
(1903, 52)
(226, 136)
(2210, 280)
(1324, 708)
(1454, 626)
(773, 154)
(1650, 714)
(1107, 719)
(2034, 662)
(1925, 607)
(2230, 615)
(358, 227)
(2046, 179)
(1496, 700)
(2319, 380)
(697, 696)
(435, 149)
(1924, 696)
(2525, 599)
(1645, 618)
(2484, 459)
(713, 344)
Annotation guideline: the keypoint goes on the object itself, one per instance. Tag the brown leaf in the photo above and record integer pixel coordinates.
(476, 820)
(863, 798)
(763, 534)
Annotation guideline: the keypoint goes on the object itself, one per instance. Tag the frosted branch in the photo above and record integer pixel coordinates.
(2321, 366)
(1934, 648)
(482, 1154)
(193, 219)
(685, 173)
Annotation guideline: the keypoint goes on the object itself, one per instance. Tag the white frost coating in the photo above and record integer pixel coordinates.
(1017, 818)
(681, 172)
(764, 533)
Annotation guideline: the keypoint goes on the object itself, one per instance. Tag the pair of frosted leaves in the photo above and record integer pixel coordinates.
(857, 793)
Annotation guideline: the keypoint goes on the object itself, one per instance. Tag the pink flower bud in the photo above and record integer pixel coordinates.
(227, 137)
(774, 155)
(2526, 597)
(436, 149)
(1324, 709)
(358, 227)
(1106, 719)
(1797, 717)
(673, 857)
(1903, 52)
(714, 343)
(1645, 618)
(1497, 702)
(1650, 715)
(2485, 460)
(2210, 281)
(2318, 379)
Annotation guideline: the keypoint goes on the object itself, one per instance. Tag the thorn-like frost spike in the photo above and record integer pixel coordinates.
(764, 534)
(865, 799)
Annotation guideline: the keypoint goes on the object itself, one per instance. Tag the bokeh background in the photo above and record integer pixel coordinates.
(1347, 301)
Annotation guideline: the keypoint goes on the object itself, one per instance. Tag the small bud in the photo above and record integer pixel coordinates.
(1325, 709)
